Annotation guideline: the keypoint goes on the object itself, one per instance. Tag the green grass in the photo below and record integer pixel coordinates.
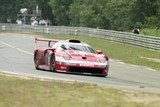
(17, 92)
(150, 32)
(126, 53)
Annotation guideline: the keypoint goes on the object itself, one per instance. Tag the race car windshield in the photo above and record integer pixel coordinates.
(78, 47)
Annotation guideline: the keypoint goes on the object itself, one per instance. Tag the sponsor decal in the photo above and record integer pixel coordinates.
(63, 67)
(86, 65)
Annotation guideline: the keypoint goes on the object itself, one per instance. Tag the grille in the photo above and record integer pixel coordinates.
(85, 70)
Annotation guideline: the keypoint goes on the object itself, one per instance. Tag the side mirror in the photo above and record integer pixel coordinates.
(99, 52)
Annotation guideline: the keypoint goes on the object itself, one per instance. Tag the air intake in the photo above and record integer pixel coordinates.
(75, 41)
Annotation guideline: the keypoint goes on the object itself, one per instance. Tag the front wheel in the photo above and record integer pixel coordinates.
(52, 63)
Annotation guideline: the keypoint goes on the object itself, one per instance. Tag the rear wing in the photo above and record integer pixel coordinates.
(46, 40)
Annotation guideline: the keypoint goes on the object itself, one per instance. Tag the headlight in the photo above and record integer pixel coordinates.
(66, 57)
(102, 60)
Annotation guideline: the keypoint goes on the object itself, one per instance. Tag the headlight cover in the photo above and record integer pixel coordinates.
(102, 60)
(66, 57)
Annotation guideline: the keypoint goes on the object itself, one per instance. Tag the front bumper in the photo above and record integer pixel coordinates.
(81, 67)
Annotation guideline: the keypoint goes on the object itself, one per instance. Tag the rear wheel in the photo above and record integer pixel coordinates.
(36, 61)
(52, 63)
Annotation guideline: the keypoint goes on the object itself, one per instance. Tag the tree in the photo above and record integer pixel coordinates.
(117, 13)
(60, 10)
(104, 14)
(143, 9)
(9, 8)
(88, 13)
(46, 10)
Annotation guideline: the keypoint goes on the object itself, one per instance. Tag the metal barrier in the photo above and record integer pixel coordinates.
(128, 38)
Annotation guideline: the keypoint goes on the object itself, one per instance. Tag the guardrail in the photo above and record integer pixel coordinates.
(128, 38)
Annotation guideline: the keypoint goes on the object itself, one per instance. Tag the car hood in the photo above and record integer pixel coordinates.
(81, 55)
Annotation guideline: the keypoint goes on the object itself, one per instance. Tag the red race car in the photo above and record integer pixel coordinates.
(70, 56)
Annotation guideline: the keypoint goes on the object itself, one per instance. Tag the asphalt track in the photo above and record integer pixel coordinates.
(16, 57)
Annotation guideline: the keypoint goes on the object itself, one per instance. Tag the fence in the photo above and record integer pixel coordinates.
(128, 38)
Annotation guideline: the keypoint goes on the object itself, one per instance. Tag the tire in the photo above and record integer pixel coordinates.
(104, 75)
(52, 63)
(36, 61)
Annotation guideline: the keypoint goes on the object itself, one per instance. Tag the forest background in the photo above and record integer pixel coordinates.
(120, 15)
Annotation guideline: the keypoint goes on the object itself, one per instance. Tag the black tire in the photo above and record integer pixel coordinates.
(52, 63)
(104, 75)
(36, 61)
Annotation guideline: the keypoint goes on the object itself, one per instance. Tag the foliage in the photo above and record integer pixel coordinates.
(46, 10)
(10, 8)
(60, 10)
(110, 14)
(120, 15)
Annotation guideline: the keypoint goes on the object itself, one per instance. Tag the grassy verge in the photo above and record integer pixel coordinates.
(17, 92)
(151, 32)
(126, 53)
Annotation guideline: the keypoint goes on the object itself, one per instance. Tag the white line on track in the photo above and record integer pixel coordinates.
(121, 62)
(16, 48)
(24, 51)
(7, 44)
